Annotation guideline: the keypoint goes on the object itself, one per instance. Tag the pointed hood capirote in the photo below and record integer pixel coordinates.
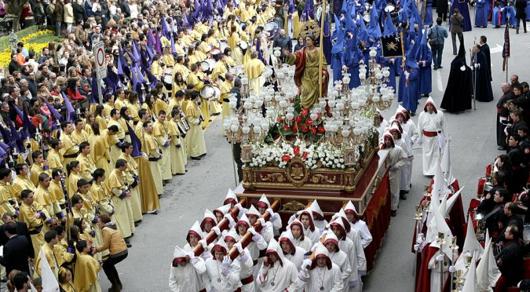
(230, 198)
(275, 248)
(208, 216)
(263, 202)
(430, 101)
(298, 223)
(221, 246)
(350, 207)
(315, 208)
(321, 252)
(287, 237)
(194, 230)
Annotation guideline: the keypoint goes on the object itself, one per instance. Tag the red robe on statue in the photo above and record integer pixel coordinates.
(299, 72)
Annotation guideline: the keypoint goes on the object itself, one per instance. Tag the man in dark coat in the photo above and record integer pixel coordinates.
(21, 229)
(485, 48)
(503, 114)
(483, 91)
(441, 9)
(510, 259)
(520, 13)
(457, 96)
(17, 250)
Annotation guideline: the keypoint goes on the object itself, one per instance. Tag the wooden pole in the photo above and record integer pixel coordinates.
(403, 55)
(247, 238)
(223, 225)
(321, 47)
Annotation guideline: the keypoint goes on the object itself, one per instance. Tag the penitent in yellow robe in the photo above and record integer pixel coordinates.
(136, 200)
(150, 147)
(50, 257)
(148, 193)
(176, 149)
(196, 143)
(254, 69)
(162, 139)
(55, 160)
(225, 87)
(28, 215)
(122, 212)
(86, 271)
(100, 152)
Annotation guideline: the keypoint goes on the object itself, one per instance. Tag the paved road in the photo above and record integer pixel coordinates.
(205, 184)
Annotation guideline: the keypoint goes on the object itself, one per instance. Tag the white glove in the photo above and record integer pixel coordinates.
(257, 237)
(261, 221)
(203, 243)
(407, 74)
(303, 275)
(216, 230)
(231, 221)
(225, 266)
(190, 254)
(252, 231)
(240, 248)
(306, 263)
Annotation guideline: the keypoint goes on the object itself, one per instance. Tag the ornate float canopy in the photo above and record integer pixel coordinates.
(337, 133)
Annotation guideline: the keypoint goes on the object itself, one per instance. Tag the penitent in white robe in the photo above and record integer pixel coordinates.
(278, 277)
(431, 145)
(322, 279)
(188, 277)
(219, 282)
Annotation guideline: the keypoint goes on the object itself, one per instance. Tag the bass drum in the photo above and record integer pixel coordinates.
(167, 78)
(208, 92)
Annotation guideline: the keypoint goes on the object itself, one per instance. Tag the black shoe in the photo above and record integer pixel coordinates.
(440, 67)
(196, 158)
(402, 195)
(393, 213)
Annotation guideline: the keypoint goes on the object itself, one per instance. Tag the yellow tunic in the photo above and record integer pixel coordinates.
(149, 195)
(122, 213)
(56, 190)
(178, 157)
(254, 69)
(71, 183)
(79, 136)
(136, 200)
(196, 145)
(55, 160)
(162, 138)
(28, 215)
(150, 147)
(61, 254)
(86, 274)
(21, 183)
(68, 149)
(87, 165)
(43, 197)
(100, 151)
(48, 252)
(6, 195)
(36, 170)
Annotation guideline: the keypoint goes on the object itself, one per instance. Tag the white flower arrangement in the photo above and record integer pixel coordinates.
(281, 154)
(330, 156)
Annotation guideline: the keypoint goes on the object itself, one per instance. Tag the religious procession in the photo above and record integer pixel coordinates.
(316, 104)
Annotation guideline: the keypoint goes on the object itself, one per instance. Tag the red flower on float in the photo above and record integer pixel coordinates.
(304, 129)
(304, 112)
(296, 150)
(309, 122)
(304, 155)
(286, 157)
(321, 130)
(314, 131)
(286, 128)
(298, 119)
